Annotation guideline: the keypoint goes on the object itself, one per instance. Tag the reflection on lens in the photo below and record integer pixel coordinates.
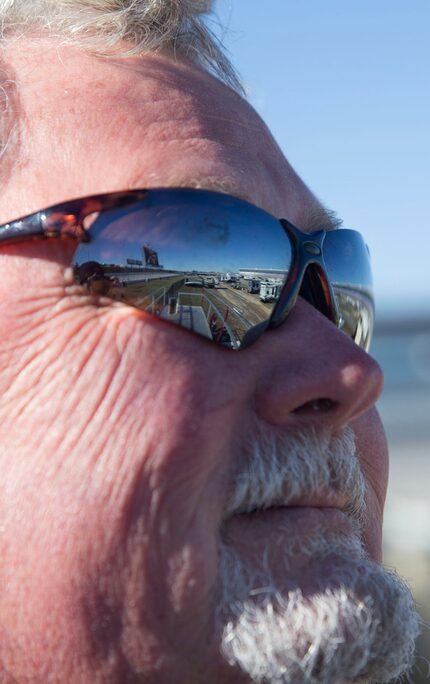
(347, 262)
(356, 315)
(209, 263)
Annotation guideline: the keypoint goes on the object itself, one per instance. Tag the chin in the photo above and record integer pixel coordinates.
(332, 616)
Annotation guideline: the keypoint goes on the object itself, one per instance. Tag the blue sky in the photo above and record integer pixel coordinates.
(215, 245)
(344, 87)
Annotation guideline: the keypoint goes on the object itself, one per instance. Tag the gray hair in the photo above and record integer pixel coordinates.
(125, 27)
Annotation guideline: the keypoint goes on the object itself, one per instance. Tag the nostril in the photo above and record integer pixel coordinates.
(323, 405)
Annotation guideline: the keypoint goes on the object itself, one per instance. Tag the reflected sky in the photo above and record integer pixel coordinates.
(347, 259)
(190, 233)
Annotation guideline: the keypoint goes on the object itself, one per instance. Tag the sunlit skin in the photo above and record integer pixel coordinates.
(119, 432)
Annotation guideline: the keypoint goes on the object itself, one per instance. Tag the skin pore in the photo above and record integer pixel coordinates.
(120, 435)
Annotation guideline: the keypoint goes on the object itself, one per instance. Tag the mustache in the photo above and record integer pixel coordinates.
(307, 468)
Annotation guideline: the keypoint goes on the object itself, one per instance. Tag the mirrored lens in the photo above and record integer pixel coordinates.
(207, 262)
(347, 261)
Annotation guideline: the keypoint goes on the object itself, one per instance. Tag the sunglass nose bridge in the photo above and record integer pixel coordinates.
(312, 248)
(307, 245)
(308, 277)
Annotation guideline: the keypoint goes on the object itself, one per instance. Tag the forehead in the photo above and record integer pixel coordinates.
(89, 125)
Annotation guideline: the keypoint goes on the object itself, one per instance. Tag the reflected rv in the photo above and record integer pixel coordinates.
(270, 290)
(253, 286)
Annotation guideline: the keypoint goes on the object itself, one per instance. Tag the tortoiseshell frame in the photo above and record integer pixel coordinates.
(66, 220)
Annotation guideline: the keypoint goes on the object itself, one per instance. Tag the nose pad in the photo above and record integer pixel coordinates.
(313, 373)
(316, 291)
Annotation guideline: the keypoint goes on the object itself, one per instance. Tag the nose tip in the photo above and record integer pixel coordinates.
(317, 374)
(351, 391)
(362, 377)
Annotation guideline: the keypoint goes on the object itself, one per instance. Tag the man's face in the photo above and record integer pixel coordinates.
(137, 459)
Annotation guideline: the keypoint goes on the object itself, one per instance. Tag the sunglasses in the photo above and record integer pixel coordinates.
(208, 262)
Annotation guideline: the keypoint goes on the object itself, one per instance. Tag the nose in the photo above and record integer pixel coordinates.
(311, 373)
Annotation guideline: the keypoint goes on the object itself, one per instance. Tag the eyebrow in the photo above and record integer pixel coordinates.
(319, 217)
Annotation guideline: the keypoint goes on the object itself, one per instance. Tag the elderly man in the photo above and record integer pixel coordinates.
(192, 475)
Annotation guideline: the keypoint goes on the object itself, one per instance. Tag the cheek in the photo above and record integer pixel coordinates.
(114, 485)
(373, 454)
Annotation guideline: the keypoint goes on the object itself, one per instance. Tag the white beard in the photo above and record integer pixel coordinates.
(353, 622)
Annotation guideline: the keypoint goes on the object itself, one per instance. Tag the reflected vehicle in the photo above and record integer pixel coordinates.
(209, 281)
(253, 286)
(270, 290)
(195, 281)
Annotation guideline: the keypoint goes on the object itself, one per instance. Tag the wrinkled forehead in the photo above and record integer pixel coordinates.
(90, 125)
